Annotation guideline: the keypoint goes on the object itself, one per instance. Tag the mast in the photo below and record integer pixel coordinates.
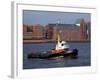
(58, 39)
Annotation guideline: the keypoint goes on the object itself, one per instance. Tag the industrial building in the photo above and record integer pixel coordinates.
(68, 32)
(33, 31)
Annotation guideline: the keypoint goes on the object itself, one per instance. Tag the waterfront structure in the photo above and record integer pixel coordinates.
(49, 32)
(33, 32)
(68, 32)
(71, 32)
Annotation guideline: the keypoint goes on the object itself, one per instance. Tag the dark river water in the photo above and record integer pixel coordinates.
(84, 56)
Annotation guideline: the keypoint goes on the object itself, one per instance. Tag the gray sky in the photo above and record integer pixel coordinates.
(45, 17)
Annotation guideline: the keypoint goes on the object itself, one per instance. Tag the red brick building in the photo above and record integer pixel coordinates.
(33, 31)
(70, 32)
(48, 32)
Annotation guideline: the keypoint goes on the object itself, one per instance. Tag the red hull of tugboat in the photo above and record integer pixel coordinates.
(48, 54)
(54, 51)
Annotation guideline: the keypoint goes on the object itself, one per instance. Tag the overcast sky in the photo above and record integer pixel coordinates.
(45, 17)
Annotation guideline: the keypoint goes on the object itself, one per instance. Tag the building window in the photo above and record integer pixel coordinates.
(29, 29)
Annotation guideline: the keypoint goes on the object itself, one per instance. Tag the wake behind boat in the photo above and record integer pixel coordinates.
(62, 49)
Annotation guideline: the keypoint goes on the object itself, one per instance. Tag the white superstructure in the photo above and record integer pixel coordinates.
(61, 44)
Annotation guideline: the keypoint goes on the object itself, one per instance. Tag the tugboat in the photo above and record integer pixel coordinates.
(62, 50)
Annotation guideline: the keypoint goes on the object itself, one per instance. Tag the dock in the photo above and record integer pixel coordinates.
(37, 41)
(50, 41)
